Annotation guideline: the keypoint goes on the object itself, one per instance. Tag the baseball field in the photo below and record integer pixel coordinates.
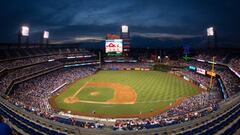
(123, 94)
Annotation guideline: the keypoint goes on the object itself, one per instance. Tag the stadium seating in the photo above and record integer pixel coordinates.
(27, 77)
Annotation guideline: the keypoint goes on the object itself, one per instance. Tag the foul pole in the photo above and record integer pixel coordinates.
(213, 62)
(99, 55)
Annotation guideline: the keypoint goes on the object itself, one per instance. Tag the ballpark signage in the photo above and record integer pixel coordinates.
(192, 68)
(114, 45)
(201, 71)
(211, 73)
(124, 29)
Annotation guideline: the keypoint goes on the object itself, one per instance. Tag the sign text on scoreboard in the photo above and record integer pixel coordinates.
(115, 45)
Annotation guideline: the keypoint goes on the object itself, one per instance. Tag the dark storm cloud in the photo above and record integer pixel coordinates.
(83, 20)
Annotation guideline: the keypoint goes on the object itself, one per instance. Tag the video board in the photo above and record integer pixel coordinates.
(114, 45)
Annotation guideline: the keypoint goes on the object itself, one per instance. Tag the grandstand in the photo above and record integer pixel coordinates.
(128, 67)
(30, 77)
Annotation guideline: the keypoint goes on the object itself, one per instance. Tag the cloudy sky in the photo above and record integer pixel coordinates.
(160, 22)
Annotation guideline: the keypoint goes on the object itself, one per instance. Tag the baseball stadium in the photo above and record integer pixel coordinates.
(124, 94)
(119, 80)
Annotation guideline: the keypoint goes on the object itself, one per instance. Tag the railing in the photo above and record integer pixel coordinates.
(173, 129)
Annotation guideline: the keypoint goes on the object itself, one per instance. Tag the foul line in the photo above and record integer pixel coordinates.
(75, 94)
(156, 101)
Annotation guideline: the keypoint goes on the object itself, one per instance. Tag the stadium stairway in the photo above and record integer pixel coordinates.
(225, 122)
(213, 126)
(25, 124)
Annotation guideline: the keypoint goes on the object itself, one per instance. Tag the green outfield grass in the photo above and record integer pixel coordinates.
(155, 90)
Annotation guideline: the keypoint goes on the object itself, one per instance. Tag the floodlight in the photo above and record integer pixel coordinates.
(45, 34)
(25, 31)
(210, 31)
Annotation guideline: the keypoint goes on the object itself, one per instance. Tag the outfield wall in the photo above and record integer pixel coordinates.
(129, 69)
(190, 80)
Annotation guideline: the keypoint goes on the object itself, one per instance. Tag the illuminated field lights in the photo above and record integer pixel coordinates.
(25, 31)
(45, 34)
(210, 31)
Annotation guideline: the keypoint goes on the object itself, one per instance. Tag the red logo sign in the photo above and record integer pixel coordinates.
(111, 45)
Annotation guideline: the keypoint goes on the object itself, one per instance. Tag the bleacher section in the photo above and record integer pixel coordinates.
(24, 101)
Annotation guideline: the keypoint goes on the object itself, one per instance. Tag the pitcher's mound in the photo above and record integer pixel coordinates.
(94, 93)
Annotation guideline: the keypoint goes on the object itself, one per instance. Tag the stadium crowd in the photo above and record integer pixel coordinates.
(221, 57)
(18, 73)
(176, 63)
(33, 94)
(191, 108)
(197, 77)
(235, 64)
(230, 81)
(34, 60)
(36, 52)
(123, 66)
(232, 60)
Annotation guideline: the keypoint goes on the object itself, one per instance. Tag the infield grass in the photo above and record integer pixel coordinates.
(155, 90)
(96, 94)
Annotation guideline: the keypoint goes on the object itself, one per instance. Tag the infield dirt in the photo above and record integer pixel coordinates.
(123, 94)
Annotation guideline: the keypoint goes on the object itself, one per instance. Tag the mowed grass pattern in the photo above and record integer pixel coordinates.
(155, 90)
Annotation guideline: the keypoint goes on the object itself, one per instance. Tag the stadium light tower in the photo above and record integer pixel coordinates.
(210, 31)
(211, 36)
(45, 34)
(45, 37)
(23, 34)
(213, 62)
(25, 31)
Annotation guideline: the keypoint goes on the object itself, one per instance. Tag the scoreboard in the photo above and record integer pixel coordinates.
(114, 45)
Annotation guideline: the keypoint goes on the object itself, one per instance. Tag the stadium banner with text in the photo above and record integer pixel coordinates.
(120, 61)
(112, 36)
(114, 45)
(147, 69)
(211, 73)
(81, 64)
(137, 69)
(202, 86)
(185, 78)
(200, 60)
(192, 68)
(201, 71)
